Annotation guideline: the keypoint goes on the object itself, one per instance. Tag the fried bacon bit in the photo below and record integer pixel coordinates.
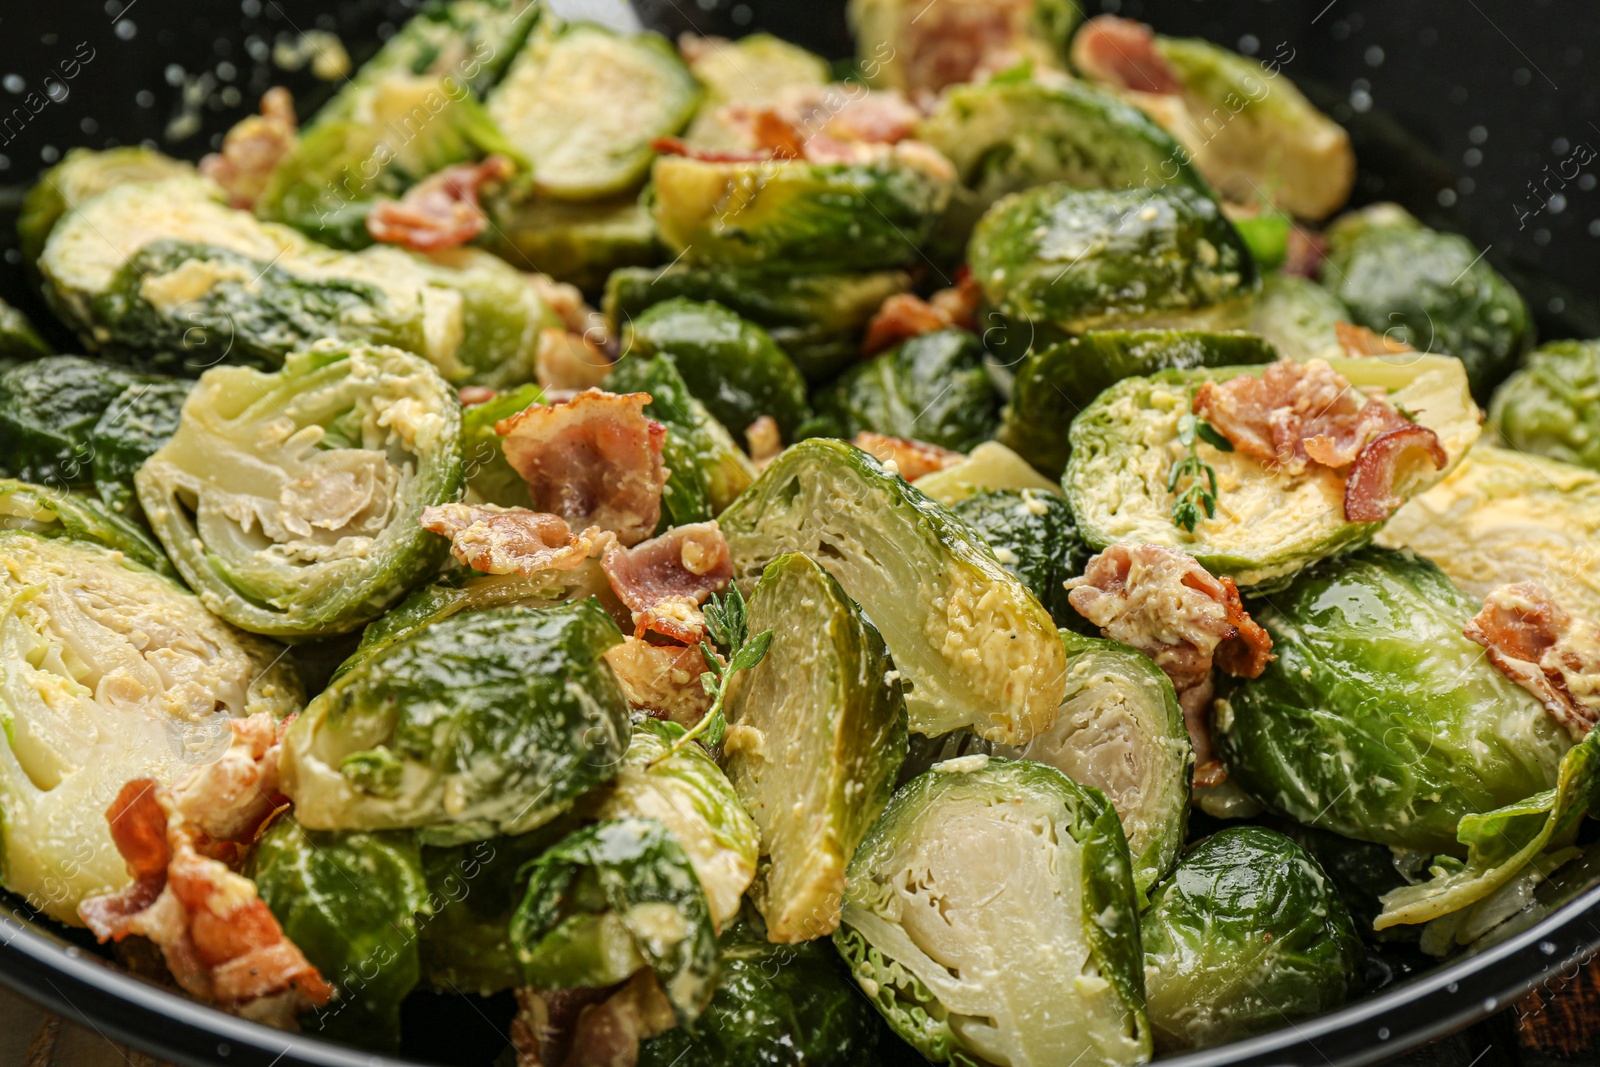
(473, 395)
(566, 302)
(1358, 341)
(675, 146)
(1369, 488)
(819, 122)
(1545, 649)
(594, 460)
(763, 441)
(661, 680)
(905, 315)
(665, 580)
(441, 211)
(1122, 52)
(910, 459)
(253, 148)
(566, 360)
(1307, 249)
(1163, 603)
(958, 40)
(497, 540)
(590, 1027)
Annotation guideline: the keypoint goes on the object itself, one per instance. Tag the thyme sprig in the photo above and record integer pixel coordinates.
(1200, 492)
(728, 624)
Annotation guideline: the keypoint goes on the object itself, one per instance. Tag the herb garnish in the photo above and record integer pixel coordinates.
(728, 624)
(1201, 492)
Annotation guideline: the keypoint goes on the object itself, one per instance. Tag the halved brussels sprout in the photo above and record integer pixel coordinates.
(1432, 290)
(1549, 406)
(83, 174)
(1379, 720)
(1296, 316)
(290, 501)
(1033, 537)
(1269, 524)
(584, 104)
(188, 275)
(19, 341)
(931, 388)
(731, 365)
(991, 918)
(793, 215)
(50, 512)
(108, 672)
(818, 319)
(483, 723)
(974, 648)
(1056, 260)
(684, 790)
(751, 71)
(901, 44)
(573, 242)
(1503, 516)
(1053, 384)
(990, 466)
(816, 735)
(611, 899)
(1246, 936)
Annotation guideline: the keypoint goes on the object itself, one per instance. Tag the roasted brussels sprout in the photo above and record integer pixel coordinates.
(110, 672)
(290, 501)
(931, 388)
(987, 657)
(1379, 720)
(583, 105)
(486, 722)
(51, 512)
(817, 319)
(1053, 384)
(191, 276)
(794, 215)
(752, 71)
(19, 341)
(83, 174)
(1033, 537)
(1269, 524)
(816, 735)
(1432, 290)
(990, 466)
(1246, 936)
(1549, 406)
(611, 899)
(1504, 516)
(1056, 260)
(991, 918)
(1296, 316)
(902, 45)
(575, 242)
(731, 365)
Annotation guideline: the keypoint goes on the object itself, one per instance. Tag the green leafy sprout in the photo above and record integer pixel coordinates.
(1200, 494)
(728, 624)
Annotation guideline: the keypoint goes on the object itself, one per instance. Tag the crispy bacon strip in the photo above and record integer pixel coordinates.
(1122, 52)
(1545, 649)
(661, 680)
(567, 360)
(590, 1027)
(594, 460)
(1369, 488)
(441, 211)
(911, 458)
(497, 540)
(1163, 603)
(665, 579)
(960, 40)
(906, 315)
(253, 149)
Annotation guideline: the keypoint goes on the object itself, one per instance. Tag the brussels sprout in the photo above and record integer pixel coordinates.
(19, 341)
(974, 647)
(991, 918)
(776, 1005)
(83, 174)
(486, 722)
(191, 276)
(990, 466)
(290, 501)
(577, 243)
(1056, 260)
(1379, 720)
(86, 711)
(1503, 517)
(350, 901)
(1296, 316)
(905, 45)
(1432, 290)
(49, 512)
(930, 388)
(684, 790)
(732, 366)
(1054, 383)
(818, 319)
(489, 477)
(1361, 872)
(709, 457)
(751, 71)
(584, 104)
(792, 215)
(1034, 538)
(1246, 936)
(816, 735)
(613, 898)
(1548, 407)
(1269, 524)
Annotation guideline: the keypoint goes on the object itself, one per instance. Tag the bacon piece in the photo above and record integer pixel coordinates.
(1122, 52)
(1163, 603)
(820, 121)
(1307, 249)
(905, 315)
(763, 440)
(911, 459)
(594, 460)
(229, 798)
(674, 146)
(590, 1027)
(1545, 649)
(1358, 341)
(959, 40)
(1369, 488)
(441, 211)
(252, 150)
(473, 395)
(665, 579)
(497, 540)
(566, 360)
(566, 302)
(661, 680)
